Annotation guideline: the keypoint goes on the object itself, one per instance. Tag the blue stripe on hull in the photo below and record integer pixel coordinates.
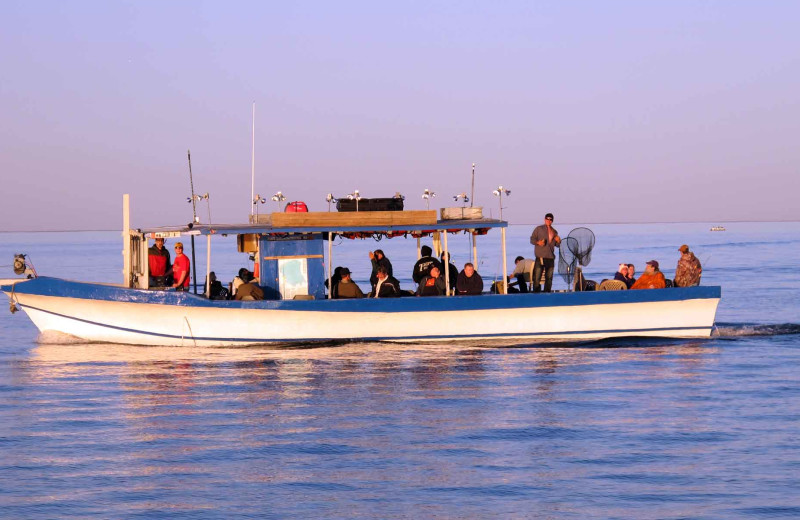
(629, 332)
(45, 286)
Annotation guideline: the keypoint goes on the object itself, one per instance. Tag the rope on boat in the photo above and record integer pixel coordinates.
(190, 331)
(13, 303)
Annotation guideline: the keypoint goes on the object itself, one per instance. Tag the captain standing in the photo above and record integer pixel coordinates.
(545, 240)
(159, 263)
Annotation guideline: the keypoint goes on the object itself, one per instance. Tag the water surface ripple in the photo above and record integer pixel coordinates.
(623, 428)
(687, 429)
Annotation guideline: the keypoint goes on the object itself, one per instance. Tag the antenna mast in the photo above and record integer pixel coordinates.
(194, 218)
(191, 185)
(472, 193)
(253, 164)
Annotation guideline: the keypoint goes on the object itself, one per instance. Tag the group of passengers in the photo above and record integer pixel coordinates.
(427, 274)
(687, 273)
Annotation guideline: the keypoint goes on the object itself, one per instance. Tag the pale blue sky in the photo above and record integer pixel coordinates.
(578, 107)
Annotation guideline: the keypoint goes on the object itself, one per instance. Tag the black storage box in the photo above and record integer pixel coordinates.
(390, 204)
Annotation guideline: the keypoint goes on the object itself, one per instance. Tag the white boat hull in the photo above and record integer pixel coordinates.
(507, 319)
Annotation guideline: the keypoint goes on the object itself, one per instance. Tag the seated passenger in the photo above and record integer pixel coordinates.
(336, 277)
(218, 292)
(452, 271)
(248, 290)
(469, 282)
(238, 280)
(377, 259)
(688, 272)
(386, 287)
(424, 264)
(523, 267)
(622, 274)
(652, 278)
(432, 284)
(347, 288)
(631, 277)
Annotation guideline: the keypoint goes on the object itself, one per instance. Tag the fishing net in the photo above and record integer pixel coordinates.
(567, 260)
(580, 243)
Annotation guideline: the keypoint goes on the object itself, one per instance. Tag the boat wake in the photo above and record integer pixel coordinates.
(733, 330)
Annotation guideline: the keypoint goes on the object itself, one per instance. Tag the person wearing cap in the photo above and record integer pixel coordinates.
(622, 274)
(688, 271)
(651, 278)
(545, 240)
(248, 289)
(158, 261)
(181, 269)
(347, 288)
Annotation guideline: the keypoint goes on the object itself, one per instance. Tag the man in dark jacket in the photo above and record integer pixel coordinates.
(387, 287)
(378, 259)
(423, 266)
(469, 282)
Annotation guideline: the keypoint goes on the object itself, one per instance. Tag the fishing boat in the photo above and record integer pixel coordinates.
(718, 228)
(290, 257)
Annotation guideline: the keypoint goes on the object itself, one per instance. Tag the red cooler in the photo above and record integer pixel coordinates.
(296, 207)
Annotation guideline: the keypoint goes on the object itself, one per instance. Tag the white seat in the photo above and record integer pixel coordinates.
(530, 276)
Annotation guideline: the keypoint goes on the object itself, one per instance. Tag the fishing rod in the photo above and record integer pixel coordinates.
(194, 219)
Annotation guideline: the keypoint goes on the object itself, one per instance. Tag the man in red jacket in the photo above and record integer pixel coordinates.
(159, 262)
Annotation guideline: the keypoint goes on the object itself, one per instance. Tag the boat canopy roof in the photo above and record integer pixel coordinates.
(351, 225)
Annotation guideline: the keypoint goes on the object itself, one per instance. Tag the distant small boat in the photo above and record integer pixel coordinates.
(718, 228)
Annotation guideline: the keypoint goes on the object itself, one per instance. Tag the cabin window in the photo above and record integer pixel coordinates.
(293, 277)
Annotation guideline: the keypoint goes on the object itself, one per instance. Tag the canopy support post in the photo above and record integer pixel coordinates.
(505, 263)
(330, 265)
(446, 266)
(126, 240)
(475, 251)
(208, 266)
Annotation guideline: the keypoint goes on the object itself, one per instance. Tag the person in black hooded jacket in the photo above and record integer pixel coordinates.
(423, 266)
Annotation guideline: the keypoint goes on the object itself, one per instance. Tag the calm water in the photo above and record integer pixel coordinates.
(615, 429)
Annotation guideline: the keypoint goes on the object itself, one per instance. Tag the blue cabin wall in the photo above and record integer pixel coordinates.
(309, 247)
